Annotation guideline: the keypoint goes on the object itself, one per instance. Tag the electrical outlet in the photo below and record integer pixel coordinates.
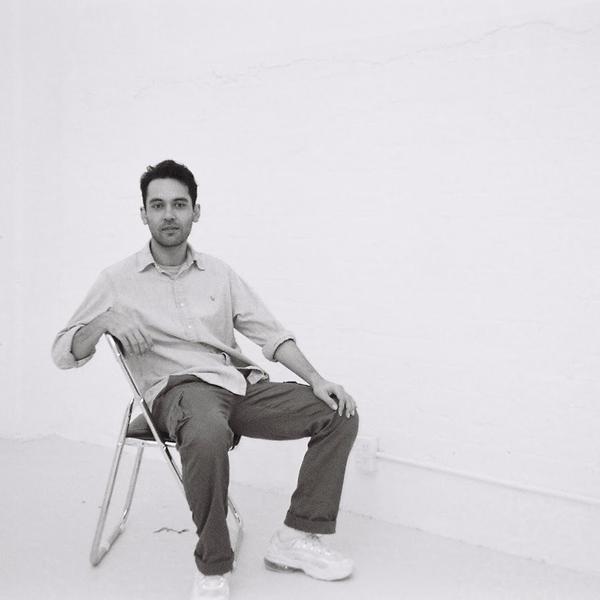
(365, 453)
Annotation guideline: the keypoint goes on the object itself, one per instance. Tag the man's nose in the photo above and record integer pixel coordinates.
(168, 213)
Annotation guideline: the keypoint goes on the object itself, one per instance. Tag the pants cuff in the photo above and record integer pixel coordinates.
(309, 526)
(216, 568)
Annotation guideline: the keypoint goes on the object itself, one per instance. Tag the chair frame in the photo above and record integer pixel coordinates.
(100, 549)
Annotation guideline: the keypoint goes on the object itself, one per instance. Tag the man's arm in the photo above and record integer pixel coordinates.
(75, 344)
(98, 300)
(85, 340)
(252, 318)
(289, 355)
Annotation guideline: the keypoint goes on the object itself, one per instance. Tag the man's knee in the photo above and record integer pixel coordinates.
(350, 425)
(205, 440)
(343, 427)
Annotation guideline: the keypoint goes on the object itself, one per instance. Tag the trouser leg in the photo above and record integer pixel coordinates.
(196, 415)
(286, 411)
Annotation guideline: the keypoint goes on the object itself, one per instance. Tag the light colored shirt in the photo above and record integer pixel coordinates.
(190, 315)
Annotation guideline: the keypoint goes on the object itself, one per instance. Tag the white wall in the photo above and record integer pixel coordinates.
(411, 186)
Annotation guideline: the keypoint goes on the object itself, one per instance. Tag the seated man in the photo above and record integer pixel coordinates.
(174, 311)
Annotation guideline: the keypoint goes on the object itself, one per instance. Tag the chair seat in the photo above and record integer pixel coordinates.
(138, 429)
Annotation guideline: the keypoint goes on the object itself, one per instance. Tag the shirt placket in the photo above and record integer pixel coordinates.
(183, 308)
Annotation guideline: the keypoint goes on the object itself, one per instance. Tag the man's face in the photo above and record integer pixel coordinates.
(169, 213)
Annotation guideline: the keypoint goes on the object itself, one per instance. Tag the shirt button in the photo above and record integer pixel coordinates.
(181, 304)
(189, 326)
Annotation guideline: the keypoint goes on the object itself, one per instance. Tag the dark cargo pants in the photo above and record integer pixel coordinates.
(203, 419)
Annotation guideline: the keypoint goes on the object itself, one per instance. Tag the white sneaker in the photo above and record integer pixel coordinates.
(306, 552)
(215, 587)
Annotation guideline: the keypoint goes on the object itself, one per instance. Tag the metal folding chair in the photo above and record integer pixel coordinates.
(140, 432)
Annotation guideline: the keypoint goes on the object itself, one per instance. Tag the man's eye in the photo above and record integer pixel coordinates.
(180, 204)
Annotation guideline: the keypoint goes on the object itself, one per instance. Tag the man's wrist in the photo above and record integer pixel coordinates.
(314, 379)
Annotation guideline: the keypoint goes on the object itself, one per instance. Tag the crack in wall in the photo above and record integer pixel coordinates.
(223, 78)
(436, 48)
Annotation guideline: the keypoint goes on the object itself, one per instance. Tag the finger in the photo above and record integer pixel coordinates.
(341, 404)
(142, 336)
(126, 343)
(350, 406)
(329, 400)
(132, 342)
(348, 402)
(141, 341)
(342, 398)
(148, 338)
(135, 344)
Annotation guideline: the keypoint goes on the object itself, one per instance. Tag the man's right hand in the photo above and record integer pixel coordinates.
(128, 329)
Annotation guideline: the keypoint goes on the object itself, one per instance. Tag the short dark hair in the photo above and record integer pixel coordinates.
(169, 169)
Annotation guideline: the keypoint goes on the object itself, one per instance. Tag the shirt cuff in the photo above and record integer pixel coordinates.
(271, 346)
(61, 349)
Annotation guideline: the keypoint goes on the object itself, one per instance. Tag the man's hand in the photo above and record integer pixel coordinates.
(334, 395)
(127, 328)
(329, 392)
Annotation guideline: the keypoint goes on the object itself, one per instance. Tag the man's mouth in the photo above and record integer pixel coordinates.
(170, 228)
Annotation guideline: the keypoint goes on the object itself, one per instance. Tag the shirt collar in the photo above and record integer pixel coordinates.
(145, 259)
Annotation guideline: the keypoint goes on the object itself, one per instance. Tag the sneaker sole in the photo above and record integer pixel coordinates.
(281, 568)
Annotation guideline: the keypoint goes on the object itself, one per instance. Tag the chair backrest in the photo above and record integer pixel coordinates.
(138, 396)
(117, 349)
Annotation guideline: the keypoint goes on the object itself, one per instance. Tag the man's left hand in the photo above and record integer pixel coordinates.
(335, 396)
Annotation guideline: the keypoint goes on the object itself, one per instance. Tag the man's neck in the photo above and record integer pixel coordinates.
(168, 256)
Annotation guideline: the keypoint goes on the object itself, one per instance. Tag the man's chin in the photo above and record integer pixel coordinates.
(170, 241)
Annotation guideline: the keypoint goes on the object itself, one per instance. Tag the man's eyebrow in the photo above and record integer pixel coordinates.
(158, 199)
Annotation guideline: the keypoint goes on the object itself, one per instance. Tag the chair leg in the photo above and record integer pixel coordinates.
(240, 530)
(99, 550)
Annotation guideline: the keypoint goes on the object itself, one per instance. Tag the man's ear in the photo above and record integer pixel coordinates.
(196, 213)
(143, 215)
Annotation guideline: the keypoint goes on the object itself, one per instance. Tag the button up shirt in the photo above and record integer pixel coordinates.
(190, 315)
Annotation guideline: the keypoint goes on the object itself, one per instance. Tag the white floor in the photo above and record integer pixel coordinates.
(49, 504)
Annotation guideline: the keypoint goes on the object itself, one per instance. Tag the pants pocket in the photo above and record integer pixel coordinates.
(176, 419)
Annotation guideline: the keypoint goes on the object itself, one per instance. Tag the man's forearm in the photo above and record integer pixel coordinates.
(333, 394)
(85, 340)
(289, 355)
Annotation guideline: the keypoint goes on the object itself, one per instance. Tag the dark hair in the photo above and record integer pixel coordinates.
(169, 169)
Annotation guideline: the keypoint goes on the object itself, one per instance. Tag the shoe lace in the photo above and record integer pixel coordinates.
(313, 542)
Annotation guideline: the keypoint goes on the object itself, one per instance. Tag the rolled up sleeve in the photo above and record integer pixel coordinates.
(98, 300)
(253, 319)
(61, 349)
(271, 346)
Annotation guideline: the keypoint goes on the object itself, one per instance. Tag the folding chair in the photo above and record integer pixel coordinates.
(140, 432)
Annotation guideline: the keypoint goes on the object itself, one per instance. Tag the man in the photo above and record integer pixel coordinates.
(174, 310)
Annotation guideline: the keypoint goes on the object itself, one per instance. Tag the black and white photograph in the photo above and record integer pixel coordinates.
(302, 300)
